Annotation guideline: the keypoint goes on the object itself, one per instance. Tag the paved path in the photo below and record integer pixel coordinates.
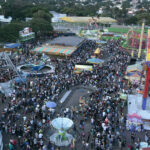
(73, 100)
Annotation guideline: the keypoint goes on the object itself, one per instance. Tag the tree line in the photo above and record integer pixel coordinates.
(18, 10)
(38, 10)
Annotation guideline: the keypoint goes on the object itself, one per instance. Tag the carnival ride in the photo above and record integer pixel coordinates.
(147, 79)
(10, 64)
(133, 39)
(140, 102)
(38, 68)
(136, 42)
(61, 138)
(91, 30)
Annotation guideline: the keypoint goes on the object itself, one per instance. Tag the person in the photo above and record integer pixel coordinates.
(86, 146)
(11, 147)
(133, 137)
(103, 106)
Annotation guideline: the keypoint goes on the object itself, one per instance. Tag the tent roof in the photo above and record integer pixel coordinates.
(55, 50)
(12, 45)
(95, 60)
(136, 67)
(104, 20)
(97, 51)
(144, 114)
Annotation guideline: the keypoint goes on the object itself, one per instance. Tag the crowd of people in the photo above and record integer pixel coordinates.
(26, 119)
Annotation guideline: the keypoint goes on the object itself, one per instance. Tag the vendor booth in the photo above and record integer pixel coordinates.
(134, 122)
(100, 42)
(97, 51)
(123, 96)
(135, 67)
(136, 115)
(134, 73)
(95, 61)
(146, 118)
(80, 68)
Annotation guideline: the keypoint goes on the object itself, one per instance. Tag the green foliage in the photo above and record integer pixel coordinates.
(41, 22)
(10, 32)
(19, 9)
(126, 4)
(123, 30)
(132, 20)
(142, 15)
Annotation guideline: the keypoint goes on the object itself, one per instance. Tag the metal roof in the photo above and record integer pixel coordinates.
(105, 20)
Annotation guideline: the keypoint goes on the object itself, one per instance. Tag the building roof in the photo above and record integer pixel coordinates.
(55, 50)
(73, 41)
(105, 20)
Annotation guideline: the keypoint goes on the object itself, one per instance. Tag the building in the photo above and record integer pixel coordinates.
(100, 11)
(56, 16)
(5, 20)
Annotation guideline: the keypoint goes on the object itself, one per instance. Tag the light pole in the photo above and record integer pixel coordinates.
(141, 39)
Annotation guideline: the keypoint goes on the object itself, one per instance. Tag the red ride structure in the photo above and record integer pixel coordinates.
(147, 79)
(133, 40)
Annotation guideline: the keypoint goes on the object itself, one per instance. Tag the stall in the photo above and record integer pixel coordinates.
(134, 73)
(80, 68)
(97, 51)
(95, 61)
(123, 96)
(134, 122)
(145, 118)
(100, 42)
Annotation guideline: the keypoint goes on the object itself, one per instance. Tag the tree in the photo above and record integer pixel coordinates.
(143, 15)
(41, 23)
(10, 32)
(132, 20)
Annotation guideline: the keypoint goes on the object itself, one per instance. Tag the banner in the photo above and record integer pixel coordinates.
(26, 34)
(84, 67)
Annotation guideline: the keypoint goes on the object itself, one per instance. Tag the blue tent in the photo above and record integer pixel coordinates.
(12, 45)
(101, 42)
(95, 61)
(51, 104)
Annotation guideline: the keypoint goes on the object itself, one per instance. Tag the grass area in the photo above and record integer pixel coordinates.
(104, 38)
(124, 30)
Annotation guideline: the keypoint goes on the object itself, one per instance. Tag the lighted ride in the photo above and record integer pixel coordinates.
(91, 30)
(37, 68)
(61, 138)
(147, 79)
(133, 40)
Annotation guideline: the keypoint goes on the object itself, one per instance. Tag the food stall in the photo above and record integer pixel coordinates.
(80, 68)
(145, 118)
